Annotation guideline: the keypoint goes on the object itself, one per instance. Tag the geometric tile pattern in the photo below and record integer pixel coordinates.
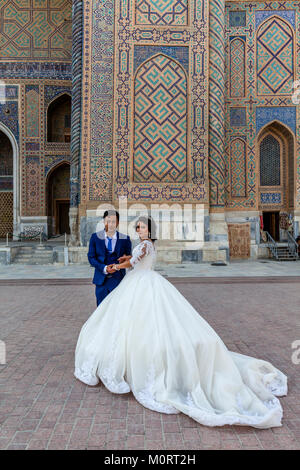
(114, 38)
(237, 18)
(284, 114)
(51, 91)
(237, 117)
(98, 77)
(262, 109)
(52, 160)
(179, 53)
(161, 12)
(55, 70)
(288, 15)
(217, 162)
(9, 116)
(32, 188)
(6, 213)
(270, 198)
(36, 29)
(34, 150)
(275, 50)
(32, 146)
(238, 168)
(32, 113)
(237, 68)
(160, 121)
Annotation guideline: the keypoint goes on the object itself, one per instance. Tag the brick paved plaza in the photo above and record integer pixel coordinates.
(42, 405)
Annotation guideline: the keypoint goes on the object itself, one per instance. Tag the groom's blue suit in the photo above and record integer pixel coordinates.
(99, 257)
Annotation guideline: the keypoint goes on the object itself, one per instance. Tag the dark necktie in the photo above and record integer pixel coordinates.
(109, 245)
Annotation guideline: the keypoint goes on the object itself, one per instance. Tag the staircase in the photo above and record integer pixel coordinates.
(34, 255)
(283, 252)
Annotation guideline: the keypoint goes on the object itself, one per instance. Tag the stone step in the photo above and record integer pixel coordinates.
(29, 255)
(27, 258)
(287, 259)
(33, 260)
(37, 250)
(40, 252)
(34, 255)
(28, 263)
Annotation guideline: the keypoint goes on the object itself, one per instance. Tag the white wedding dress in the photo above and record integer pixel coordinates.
(145, 337)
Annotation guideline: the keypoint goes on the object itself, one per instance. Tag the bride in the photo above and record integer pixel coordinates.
(145, 337)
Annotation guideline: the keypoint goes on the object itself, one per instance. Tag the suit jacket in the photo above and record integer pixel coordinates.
(97, 252)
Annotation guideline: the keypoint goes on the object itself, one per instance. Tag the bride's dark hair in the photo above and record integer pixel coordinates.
(151, 226)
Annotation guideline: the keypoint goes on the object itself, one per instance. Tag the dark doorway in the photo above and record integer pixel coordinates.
(63, 216)
(271, 224)
(58, 188)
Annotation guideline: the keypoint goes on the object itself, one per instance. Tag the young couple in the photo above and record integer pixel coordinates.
(145, 337)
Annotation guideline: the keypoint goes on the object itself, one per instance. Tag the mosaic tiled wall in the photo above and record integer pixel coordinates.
(238, 167)
(35, 65)
(35, 29)
(24, 113)
(261, 92)
(237, 67)
(38, 156)
(178, 32)
(161, 12)
(160, 137)
(217, 158)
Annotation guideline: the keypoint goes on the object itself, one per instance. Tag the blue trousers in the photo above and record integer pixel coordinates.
(101, 292)
(108, 286)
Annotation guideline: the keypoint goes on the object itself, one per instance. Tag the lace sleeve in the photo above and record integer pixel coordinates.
(140, 251)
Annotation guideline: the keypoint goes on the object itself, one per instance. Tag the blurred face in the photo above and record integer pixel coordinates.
(111, 223)
(142, 230)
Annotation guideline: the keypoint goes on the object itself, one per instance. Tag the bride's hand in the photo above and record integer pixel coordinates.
(124, 258)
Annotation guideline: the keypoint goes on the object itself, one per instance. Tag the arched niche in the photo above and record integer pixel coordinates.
(59, 119)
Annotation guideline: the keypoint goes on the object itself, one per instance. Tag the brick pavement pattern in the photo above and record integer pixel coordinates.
(43, 406)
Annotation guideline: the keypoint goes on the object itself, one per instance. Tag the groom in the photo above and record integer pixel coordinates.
(105, 248)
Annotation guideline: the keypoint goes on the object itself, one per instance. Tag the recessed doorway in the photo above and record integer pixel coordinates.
(58, 188)
(271, 224)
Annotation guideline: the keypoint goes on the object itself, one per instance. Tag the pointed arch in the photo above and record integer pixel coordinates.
(285, 151)
(58, 118)
(16, 177)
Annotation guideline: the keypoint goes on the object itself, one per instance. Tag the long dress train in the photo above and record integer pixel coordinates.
(145, 337)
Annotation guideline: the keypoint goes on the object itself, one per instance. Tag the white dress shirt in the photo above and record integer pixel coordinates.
(113, 244)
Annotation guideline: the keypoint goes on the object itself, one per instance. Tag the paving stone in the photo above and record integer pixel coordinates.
(43, 406)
